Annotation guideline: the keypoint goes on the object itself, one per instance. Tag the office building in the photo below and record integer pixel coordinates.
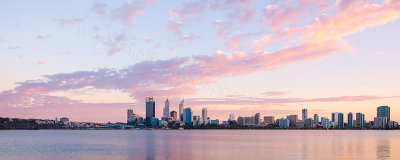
(150, 110)
(316, 120)
(300, 124)
(240, 121)
(188, 116)
(308, 123)
(154, 122)
(174, 115)
(325, 122)
(350, 120)
(257, 119)
(130, 115)
(166, 109)
(64, 119)
(269, 120)
(293, 119)
(340, 121)
(380, 122)
(180, 112)
(304, 114)
(284, 123)
(360, 120)
(204, 115)
(215, 122)
(383, 111)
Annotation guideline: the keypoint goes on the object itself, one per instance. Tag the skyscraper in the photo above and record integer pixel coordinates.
(284, 123)
(188, 116)
(380, 122)
(350, 120)
(383, 111)
(150, 110)
(180, 112)
(316, 120)
(240, 121)
(308, 123)
(293, 119)
(359, 120)
(174, 115)
(304, 114)
(129, 115)
(325, 122)
(257, 119)
(335, 119)
(166, 109)
(204, 115)
(340, 121)
(231, 117)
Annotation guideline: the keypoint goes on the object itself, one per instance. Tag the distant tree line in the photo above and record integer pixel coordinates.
(17, 123)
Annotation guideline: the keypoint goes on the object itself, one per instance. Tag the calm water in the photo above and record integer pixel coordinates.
(199, 144)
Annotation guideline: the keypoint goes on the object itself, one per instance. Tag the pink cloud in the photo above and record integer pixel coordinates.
(42, 62)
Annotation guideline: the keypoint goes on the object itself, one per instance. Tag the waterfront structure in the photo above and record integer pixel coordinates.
(325, 122)
(360, 120)
(204, 115)
(166, 109)
(269, 119)
(231, 117)
(350, 120)
(335, 119)
(150, 110)
(393, 125)
(383, 111)
(249, 120)
(316, 120)
(240, 121)
(284, 123)
(174, 115)
(188, 116)
(257, 119)
(180, 112)
(308, 123)
(293, 119)
(380, 122)
(304, 114)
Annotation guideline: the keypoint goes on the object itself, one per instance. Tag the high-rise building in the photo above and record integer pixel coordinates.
(181, 105)
(269, 119)
(240, 121)
(231, 117)
(380, 122)
(383, 111)
(130, 115)
(340, 123)
(293, 119)
(64, 119)
(204, 115)
(325, 122)
(308, 123)
(335, 119)
(316, 120)
(284, 123)
(304, 114)
(188, 116)
(360, 120)
(350, 120)
(257, 119)
(174, 115)
(150, 110)
(166, 109)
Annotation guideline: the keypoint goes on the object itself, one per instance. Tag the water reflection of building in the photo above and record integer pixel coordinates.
(383, 149)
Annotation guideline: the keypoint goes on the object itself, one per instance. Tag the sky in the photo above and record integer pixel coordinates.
(92, 60)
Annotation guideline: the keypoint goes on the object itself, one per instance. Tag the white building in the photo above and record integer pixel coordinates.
(231, 117)
(204, 116)
(166, 109)
(380, 122)
(325, 122)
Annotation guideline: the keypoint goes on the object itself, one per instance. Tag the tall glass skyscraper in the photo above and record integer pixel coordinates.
(383, 111)
(166, 109)
(180, 112)
(304, 114)
(188, 116)
(350, 120)
(359, 120)
(340, 120)
(150, 110)
(204, 115)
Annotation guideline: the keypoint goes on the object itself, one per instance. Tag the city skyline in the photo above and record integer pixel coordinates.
(92, 60)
